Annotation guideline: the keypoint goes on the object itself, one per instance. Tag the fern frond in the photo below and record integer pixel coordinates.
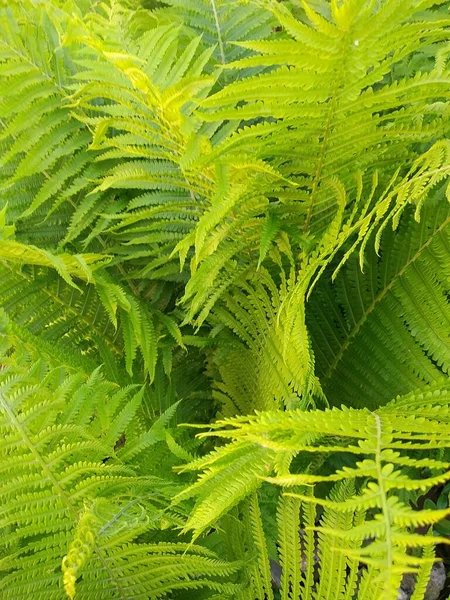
(260, 573)
(288, 521)
(45, 148)
(222, 23)
(347, 129)
(394, 315)
(235, 211)
(78, 265)
(66, 471)
(382, 442)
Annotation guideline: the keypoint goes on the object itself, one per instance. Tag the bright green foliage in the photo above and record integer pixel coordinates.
(388, 446)
(63, 464)
(233, 210)
(396, 312)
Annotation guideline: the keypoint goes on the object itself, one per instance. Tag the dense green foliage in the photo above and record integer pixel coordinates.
(230, 215)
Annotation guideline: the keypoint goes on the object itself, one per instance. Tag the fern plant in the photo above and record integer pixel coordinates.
(74, 486)
(232, 215)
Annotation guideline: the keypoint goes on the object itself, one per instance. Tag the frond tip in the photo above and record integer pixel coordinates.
(79, 552)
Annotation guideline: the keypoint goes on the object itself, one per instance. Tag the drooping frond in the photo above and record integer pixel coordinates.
(67, 266)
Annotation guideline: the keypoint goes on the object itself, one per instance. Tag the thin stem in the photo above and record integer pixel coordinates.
(219, 33)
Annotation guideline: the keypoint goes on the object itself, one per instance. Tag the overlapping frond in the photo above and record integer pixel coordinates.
(392, 449)
(68, 489)
(242, 206)
(335, 145)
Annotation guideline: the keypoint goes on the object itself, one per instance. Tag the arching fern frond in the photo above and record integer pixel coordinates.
(376, 164)
(391, 447)
(329, 74)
